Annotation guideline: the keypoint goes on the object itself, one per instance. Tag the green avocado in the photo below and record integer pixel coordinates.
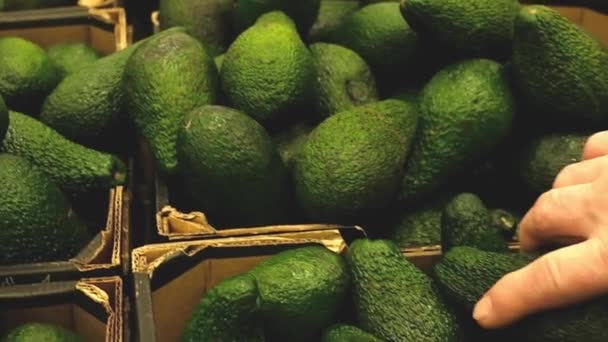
(27, 75)
(37, 223)
(74, 168)
(88, 105)
(268, 72)
(71, 57)
(347, 333)
(560, 71)
(544, 157)
(466, 110)
(465, 274)
(394, 300)
(467, 28)
(302, 12)
(3, 119)
(206, 20)
(229, 312)
(380, 35)
(32, 332)
(331, 14)
(301, 292)
(352, 163)
(466, 221)
(343, 79)
(169, 75)
(231, 167)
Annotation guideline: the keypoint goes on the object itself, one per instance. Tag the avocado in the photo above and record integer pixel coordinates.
(219, 61)
(229, 312)
(3, 119)
(74, 168)
(561, 71)
(301, 291)
(343, 79)
(347, 333)
(71, 57)
(506, 221)
(331, 14)
(544, 157)
(465, 274)
(302, 12)
(268, 72)
(37, 222)
(380, 35)
(27, 75)
(352, 162)
(30, 332)
(206, 20)
(169, 75)
(88, 105)
(394, 300)
(466, 221)
(467, 28)
(231, 167)
(290, 141)
(419, 226)
(466, 110)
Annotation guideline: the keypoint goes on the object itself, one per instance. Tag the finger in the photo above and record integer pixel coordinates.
(585, 171)
(596, 146)
(558, 215)
(565, 276)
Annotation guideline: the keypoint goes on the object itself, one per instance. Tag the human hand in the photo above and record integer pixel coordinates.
(574, 213)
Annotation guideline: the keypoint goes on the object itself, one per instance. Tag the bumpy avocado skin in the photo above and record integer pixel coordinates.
(37, 223)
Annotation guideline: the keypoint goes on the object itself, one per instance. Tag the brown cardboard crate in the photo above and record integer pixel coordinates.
(105, 30)
(93, 308)
(596, 24)
(108, 253)
(170, 279)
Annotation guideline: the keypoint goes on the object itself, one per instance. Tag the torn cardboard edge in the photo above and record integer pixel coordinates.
(101, 257)
(101, 298)
(148, 259)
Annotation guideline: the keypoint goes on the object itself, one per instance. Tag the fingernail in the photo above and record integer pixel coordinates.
(483, 309)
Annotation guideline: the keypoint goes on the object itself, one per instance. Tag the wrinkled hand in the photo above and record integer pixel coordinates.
(575, 213)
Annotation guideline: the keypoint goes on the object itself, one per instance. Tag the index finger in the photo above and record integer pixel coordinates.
(565, 276)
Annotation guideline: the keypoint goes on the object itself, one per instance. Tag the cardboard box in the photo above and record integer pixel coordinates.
(105, 255)
(92, 308)
(109, 252)
(170, 279)
(105, 30)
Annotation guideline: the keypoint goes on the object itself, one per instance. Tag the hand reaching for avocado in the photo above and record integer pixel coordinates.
(573, 213)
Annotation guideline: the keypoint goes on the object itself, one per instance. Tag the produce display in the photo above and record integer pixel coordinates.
(372, 293)
(429, 123)
(54, 187)
(391, 108)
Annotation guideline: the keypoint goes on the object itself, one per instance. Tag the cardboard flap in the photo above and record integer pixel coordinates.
(336, 238)
(98, 3)
(104, 250)
(174, 224)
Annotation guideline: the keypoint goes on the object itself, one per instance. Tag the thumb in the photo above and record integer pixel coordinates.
(562, 277)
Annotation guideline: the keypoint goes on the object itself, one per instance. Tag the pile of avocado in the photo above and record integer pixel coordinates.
(372, 293)
(371, 113)
(427, 122)
(56, 109)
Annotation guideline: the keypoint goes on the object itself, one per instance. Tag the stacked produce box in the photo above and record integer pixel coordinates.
(65, 200)
(313, 170)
